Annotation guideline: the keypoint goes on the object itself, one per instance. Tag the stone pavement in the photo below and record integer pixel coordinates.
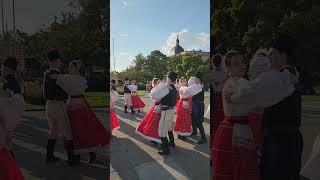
(30, 139)
(133, 157)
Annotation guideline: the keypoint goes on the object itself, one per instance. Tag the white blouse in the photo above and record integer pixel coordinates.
(191, 90)
(72, 84)
(235, 84)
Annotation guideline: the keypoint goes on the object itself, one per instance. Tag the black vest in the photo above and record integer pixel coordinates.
(51, 91)
(198, 98)
(113, 87)
(285, 113)
(12, 84)
(126, 89)
(171, 98)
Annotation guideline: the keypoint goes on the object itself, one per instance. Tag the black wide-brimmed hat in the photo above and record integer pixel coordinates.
(284, 43)
(11, 63)
(172, 75)
(54, 55)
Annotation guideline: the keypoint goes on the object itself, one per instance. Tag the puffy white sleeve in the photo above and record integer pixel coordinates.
(132, 87)
(72, 84)
(159, 92)
(192, 90)
(266, 90)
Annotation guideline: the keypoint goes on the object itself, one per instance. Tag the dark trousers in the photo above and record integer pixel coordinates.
(281, 156)
(197, 114)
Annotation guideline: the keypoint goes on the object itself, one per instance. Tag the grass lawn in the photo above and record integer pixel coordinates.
(95, 99)
(311, 98)
(142, 93)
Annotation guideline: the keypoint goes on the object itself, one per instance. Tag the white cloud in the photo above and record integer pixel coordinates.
(188, 40)
(127, 3)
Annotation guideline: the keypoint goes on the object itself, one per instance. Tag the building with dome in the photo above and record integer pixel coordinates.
(178, 50)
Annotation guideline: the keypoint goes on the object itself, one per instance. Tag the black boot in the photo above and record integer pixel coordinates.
(203, 135)
(50, 151)
(194, 132)
(164, 147)
(12, 154)
(72, 159)
(171, 139)
(139, 111)
(132, 111)
(92, 157)
(125, 109)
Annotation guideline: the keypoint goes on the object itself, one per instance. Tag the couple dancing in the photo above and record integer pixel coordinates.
(131, 97)
(234, 146)
(69, 114)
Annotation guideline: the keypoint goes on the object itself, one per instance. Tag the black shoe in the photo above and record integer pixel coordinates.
(203, 135)
(171, 139)
(92, 157)
(72, 158)
(50, 151)
(139, 111)
(202, 141)
(132, 111)
(194, 133)
(164, 147)
(125, 109)
(181, 137)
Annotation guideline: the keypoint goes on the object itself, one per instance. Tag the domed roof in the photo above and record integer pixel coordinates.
(177, 49)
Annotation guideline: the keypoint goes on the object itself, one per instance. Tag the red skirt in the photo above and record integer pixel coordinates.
(88, 132)
(218, 114)
(232, 160)
(8, 167)
(178, 98)
(137, 103)
(183, 125)
(114, 122)
(148, 127)
(255, 121)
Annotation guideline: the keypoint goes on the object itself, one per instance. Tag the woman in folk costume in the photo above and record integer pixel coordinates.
(82, 117)
(311, 167)
(183, 124)
(137, 103)
(258, 65)
(114, 122)
(11, 109)
(218, 78)
(148, 127)
(234, 151)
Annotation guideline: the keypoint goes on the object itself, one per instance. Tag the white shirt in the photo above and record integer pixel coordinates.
(266, 90)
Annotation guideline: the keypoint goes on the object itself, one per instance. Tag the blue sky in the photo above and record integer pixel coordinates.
(140, 26)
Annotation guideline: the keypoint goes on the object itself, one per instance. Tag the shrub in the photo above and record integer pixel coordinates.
(33, 92)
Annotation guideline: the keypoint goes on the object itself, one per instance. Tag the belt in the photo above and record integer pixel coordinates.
(157, 103)
(166, 108)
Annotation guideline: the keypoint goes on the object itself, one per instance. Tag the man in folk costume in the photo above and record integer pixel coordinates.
(197, 111)
(127, 96)
(274, 90)
(9, 69)
(56, 110)
(166, 121)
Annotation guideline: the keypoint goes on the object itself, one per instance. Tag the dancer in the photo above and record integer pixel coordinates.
(274, 90)
(183, 125)
(137, 103)
(258, 65)
(197, 112)
(56, 110)
(234, 151)
(9, 72)
(114, 122)
(166, 121)
(148, 128)
(11, 109)
(177, 85)
(127, 97)
(82, 117)
(218, 78)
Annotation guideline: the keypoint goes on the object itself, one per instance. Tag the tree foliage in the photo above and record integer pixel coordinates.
(247, 25)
